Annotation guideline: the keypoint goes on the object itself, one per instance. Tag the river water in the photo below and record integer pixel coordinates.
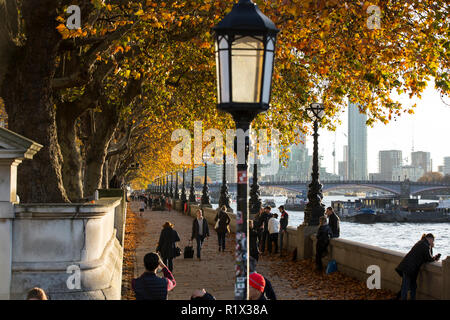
(394, 236)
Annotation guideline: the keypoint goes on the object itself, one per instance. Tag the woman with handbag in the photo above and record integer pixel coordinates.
(222, 226)
(167, 245)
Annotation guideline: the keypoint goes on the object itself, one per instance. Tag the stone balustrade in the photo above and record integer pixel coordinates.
(353, 258)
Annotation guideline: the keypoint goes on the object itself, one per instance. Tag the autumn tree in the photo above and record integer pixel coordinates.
(113, 91)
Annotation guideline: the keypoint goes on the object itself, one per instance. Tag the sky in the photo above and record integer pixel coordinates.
(428, 129)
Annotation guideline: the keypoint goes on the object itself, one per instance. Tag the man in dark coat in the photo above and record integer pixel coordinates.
(200, 231)
(149, 286)
(284, 221)
(333, 222)
(265, 222)
(409, 267)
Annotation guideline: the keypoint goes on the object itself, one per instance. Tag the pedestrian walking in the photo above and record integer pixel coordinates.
(167, 244)
(266, 215)
(200, 231)
(274, 229)
(253, 237)
(284, 221)
(222, 220)
(409, 267)
(333, 222)
(323, 239)
(169, 204)
(149, 286)
(142, 208)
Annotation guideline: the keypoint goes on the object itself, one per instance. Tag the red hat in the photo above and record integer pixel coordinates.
(257, 281)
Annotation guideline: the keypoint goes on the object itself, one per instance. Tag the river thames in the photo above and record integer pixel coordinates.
(394, 236)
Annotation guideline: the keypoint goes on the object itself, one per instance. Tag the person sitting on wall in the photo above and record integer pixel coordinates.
(36, 294)
(408, 269)
(149, 286)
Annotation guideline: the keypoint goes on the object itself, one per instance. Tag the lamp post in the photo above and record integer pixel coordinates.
(245, 47)
(224, 199)
(171, 186)
(177, 194)
(192, 191)
(205, 201)
(255, 201)
(315, 208)
(183, 189)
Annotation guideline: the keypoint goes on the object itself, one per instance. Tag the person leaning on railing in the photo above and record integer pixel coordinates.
(409, 267)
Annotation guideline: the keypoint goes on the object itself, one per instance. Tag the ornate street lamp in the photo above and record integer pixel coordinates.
(245, 48)
(315, 208)
(255, 200)
(183, 189)
(171, 186)
(192, 191)
(205, 200)
(166, 189)
(224, 199)
(177, 194)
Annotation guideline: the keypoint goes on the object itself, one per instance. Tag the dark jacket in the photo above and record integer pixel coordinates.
(418, 255)
(333, 222)
(284, 220)
(269, 293)
(195, 228)
(224, 221)
(150, 287)
(324, 235)
(253, 236)
(166, 243)
(265, 220)
(258, 222)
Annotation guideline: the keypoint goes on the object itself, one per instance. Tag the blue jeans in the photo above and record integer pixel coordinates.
(199, 240)
(408, 284)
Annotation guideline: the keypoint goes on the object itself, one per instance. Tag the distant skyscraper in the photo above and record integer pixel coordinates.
(446, 169)
(357, 143)
(387, 161)
(421, 159)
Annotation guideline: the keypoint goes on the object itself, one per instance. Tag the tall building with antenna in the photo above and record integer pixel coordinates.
(357, 143)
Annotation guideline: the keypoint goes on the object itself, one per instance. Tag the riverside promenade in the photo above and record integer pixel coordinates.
(215, 272)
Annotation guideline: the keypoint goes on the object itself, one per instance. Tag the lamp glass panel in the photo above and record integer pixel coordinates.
(247, 64)
(223, 57)
(217, 72)
(267, 76)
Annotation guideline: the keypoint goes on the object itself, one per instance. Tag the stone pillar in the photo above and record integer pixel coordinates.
(446, 279)
(8, 181)
(304, 242)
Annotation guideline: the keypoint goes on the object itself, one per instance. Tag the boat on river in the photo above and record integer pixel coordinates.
(295, 203)
(389, 209)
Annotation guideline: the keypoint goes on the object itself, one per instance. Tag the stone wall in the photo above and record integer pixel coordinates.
(50, 238)
(353, 258)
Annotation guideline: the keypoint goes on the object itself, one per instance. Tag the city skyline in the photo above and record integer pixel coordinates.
(425, 130)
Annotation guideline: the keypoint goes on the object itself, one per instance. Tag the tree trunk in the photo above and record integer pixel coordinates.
(31, 112)
(66, 118)
(104, 125)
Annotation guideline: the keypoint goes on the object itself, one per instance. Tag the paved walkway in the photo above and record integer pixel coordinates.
(215, 272)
